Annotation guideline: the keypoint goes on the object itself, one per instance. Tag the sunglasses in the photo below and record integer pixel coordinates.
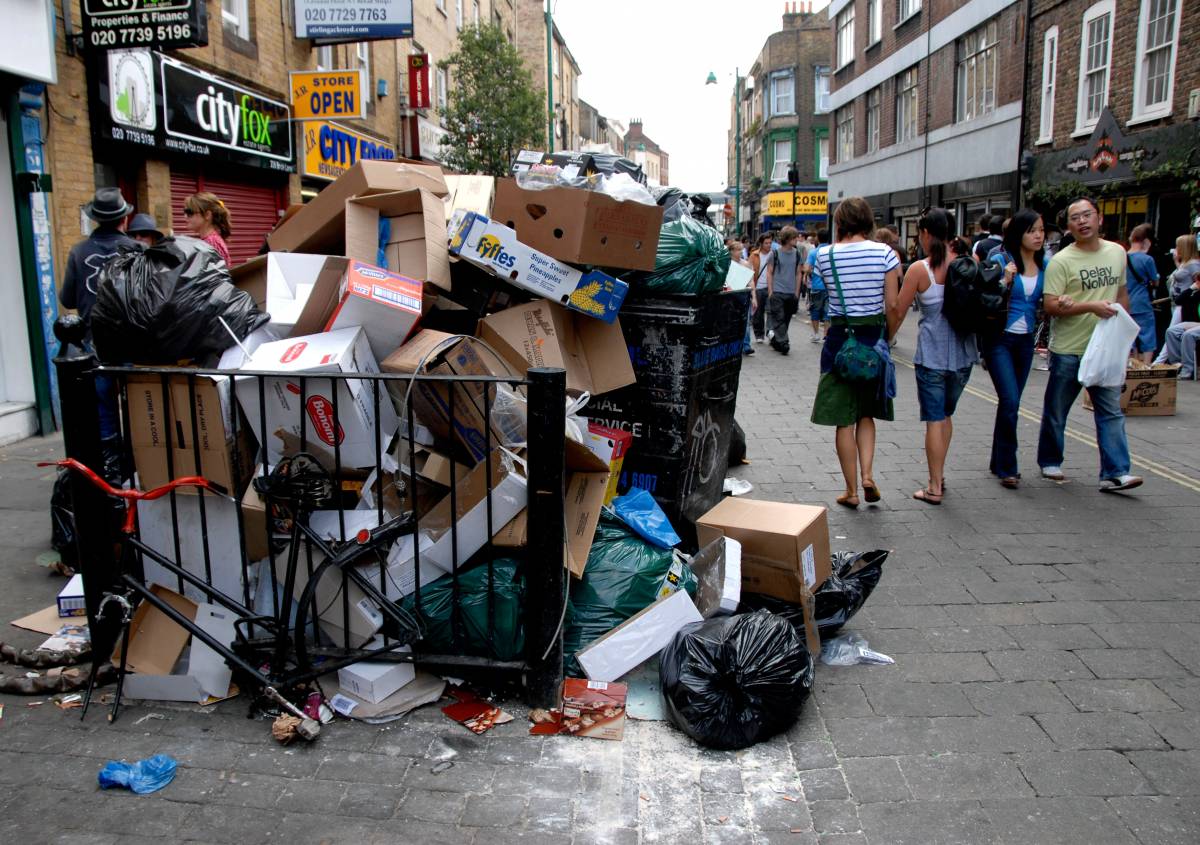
(187, 212)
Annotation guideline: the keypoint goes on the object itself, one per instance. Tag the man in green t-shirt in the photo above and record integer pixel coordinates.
(1082, 283)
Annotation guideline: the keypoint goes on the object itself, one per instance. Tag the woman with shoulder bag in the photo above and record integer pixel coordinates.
(863, 279)
(760, 263)
(944, 357)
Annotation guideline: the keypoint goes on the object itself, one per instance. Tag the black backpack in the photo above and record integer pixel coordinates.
(976, 300)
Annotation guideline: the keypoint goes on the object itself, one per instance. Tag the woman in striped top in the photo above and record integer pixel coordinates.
(863, 281)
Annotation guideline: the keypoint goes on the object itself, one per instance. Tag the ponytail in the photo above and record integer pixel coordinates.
(937, 223)
(205, 203)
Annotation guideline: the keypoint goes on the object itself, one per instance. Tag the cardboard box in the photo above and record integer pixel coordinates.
(318, 225)
(209, 543)
(581, 226)
(785, 549)
(384, 304)
(297, 290)
(610, 446)
(352, 429)
(1147, 391)
(162, 666)
(584, 500)
(156, 421)
(375, 680)
(638, 638)
(542, 334)
(593, 709)
(404, 232)
(254, 521)
(487, 244)
(469, 193)
(71, 601)
(718, 571)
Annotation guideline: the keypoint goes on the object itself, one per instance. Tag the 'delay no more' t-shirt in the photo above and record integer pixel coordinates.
(1085, 277)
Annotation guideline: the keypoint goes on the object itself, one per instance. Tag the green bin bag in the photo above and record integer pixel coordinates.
(437, 607)
(691, 258)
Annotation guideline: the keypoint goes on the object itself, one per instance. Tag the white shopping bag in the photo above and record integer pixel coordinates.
(1103, 363)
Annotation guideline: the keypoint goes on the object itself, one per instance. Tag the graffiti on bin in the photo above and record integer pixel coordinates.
(702, 358)
(643, 355)
(706, 437)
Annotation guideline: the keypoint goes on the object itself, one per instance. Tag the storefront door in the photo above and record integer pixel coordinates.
(253, 208)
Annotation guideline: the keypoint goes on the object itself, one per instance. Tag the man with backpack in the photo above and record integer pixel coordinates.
(783, 289)
(1082, 283)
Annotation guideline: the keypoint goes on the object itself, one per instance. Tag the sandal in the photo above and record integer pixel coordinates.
(1011, 482)
(871, 492)
(848, 500)
(927, 496)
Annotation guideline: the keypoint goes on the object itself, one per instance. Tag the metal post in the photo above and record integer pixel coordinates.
(545, 590)
(549, 77)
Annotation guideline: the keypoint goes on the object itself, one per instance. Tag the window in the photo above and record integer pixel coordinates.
(874, 113)
(821, 78)
(236, 15)
(475, 13)
(845, 36)
(874, 21)
(781, 159)
(440, 92)
(783, 93)
(976, 72)
(1095, 54)
(1154, 73)
(554, 57)
(362, 59)
(905, 9)
(906, 105)
(1049, 72)
(441, 5)
(822, 157)
(325, 57)
(458, 13)
(845, 133)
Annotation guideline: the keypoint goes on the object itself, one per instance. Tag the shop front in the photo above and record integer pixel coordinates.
(806, 208)
(329, 149)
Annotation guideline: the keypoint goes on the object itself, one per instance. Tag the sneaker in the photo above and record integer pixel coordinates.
(1053, 473)
(1124, 482)
(749, 350)
(760, 340)
(815, 339)
(771, 334)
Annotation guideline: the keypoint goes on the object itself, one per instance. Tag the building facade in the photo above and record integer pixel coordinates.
(1113, 96)
(563, 116)
(640, 148)
(784, 103)
(926, 106)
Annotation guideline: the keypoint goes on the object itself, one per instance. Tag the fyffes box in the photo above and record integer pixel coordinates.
(487, 244)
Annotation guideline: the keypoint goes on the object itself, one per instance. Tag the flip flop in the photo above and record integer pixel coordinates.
(845, 502)
(927, 496)
(1011, 482)
(871, 492)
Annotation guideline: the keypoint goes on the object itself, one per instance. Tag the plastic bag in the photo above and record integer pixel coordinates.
(1103, 363)
(622, 186)
(437, 612)
(62, 520)
(141, 777)
(642, 513)
(624, 574)
(165, 304)
(850, 650)
(732, 681)
(691, 258)
(836, 601)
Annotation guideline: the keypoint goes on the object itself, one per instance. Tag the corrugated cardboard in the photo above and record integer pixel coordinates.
(469, 193)
(416, 240)
(375, 680)
(1147, 391)
(610, 446)
(581, 226)
(226, 455)
(298, 291)
(214, 530)
(585, 498)
(542, 334)
(638, 638)
(318, 225)
(386, 305)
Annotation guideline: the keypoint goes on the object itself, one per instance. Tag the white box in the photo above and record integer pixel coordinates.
(71, 601)
(638, 638)
(342, 351)
(375, 680)
(199, 673)
(297, 290)
(157, 531)
(386, 305)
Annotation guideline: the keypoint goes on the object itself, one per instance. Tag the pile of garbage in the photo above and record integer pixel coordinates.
(400, 268)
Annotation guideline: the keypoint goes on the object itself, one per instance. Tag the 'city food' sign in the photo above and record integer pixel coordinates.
(160, 24)
(330, 150)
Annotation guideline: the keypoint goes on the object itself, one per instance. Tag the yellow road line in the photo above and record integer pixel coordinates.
(1075, 434)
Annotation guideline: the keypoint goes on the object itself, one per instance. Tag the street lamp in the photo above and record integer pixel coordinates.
(737, 145)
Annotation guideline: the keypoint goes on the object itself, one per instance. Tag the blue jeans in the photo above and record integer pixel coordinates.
(106, 404)
(1061, 392)
(1009, 357)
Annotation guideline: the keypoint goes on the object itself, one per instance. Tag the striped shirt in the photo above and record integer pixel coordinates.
(861, 266)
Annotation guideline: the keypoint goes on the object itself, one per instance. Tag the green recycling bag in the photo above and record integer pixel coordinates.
(437, 608)
(691, 258)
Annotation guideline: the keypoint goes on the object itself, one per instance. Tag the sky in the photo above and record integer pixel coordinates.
(650, 59)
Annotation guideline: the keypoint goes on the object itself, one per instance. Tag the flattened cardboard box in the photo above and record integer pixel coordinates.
(1147, 391)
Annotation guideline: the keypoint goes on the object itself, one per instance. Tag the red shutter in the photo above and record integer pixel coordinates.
(253, 209)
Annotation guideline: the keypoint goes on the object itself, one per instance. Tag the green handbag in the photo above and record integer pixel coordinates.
(855, 362)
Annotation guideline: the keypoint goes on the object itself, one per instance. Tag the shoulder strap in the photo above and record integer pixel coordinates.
(837, 283)
(774, 261)
(1136, 275)
(929, 270)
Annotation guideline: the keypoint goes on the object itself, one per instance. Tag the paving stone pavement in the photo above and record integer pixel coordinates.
(1046, 686)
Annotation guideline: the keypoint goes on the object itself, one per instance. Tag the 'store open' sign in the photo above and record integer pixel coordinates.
(325, 95)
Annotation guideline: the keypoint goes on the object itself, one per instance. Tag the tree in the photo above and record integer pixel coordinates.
(493, 109)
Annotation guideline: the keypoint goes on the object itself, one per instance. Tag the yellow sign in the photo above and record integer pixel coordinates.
(325, 94)
(779, 203)
(330, 150)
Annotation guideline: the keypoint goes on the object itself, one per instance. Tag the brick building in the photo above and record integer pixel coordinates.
(638, 146)
(596, 130)
(926, 106)
(1113, 94)
(531, 41)
(784, 120)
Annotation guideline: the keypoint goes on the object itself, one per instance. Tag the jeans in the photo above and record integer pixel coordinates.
(760, 315)
(783, 307)
(1008, 359)
(106, 405)
(1061, 391)
(1179, 347)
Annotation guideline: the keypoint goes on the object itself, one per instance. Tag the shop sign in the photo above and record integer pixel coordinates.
(1107, 156)
(153, 102)
(151, 24)
(779, 203)
(328, 94)
(430, 137)
(330, 150)
(418, 81)
(353, 20)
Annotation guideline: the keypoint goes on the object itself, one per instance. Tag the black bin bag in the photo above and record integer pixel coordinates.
(732, 681)
(165, 304)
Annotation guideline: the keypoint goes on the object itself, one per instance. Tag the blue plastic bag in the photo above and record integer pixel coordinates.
(641, 513)
(142, 777)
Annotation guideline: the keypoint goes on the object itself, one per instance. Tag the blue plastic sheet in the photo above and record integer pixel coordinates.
(640, 512)
(141, 777)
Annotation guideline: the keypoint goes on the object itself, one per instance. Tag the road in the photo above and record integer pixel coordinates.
(1046, 685)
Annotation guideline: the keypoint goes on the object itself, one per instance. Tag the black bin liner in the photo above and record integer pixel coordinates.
(161, 305)
(835, 602)
(62, 520)
(732, 681)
